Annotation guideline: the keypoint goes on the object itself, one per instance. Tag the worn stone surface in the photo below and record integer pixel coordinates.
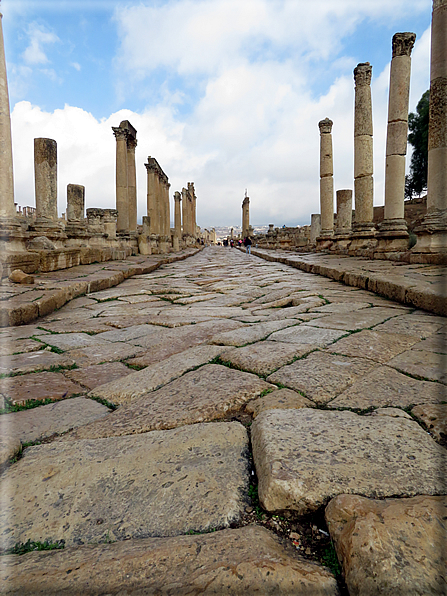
(416, 325)
(72, 341)
(434, 416)
(322, 376)
(384, 386)
(422, 364)
(9, 445)
(12, 346)
(359, 319)
(107, 352)
(393, 412)
(157, 484)
(307, 335)
(19, 277)
(305, 457)
(248, 335)
(98, 374)
(265, 356)
(142, 382)
(246, 560)
(394, 546)
(34, 361)
(434, 343)
(208, 393)
(282, 399)
(37, 386)
(39, 423)
(380, 347)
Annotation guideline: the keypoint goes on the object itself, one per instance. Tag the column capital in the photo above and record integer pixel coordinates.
(131, 143)
(325, 125)
(120, 133)
(439, 3)
(177, 196)
(403, 43)
(363, 73)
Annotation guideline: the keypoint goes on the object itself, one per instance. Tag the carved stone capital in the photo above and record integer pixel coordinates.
(403, 44)
(177, 196)
(439, 3)
(325, 125)
(120, 133)
(131, 143)
(363, 73)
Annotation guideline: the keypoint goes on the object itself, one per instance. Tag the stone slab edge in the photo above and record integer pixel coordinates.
(405, 293)
(29, 311)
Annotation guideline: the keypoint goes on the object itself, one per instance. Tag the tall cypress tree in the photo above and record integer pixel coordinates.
(416, 181)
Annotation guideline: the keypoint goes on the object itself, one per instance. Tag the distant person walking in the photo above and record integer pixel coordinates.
(247, 243)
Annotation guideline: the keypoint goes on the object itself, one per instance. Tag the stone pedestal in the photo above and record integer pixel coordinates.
(326, 179)
(432, 234)
(109, 221)
(75, 202)
(393, 234)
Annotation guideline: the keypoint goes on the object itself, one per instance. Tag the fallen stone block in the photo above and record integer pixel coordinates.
(19, 277)
(305, 457)
(394, 546)
(156, 484)
(249, 560)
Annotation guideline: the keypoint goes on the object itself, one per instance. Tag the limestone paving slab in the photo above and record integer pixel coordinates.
(282, 399)
(18, 346)
(38, 386)
(98, 374)
(377, 346)
(132, 332)
(420, 326)
(307, 335)
(154, 376)
(385, 386)
(211, 392)
(251, 334)
(71, 341)
(359, 319)
(156, 484)
(246, 560)
(33, 361)
(435, 343)
(81, 325)
(434, 417)
(344, 306)
(428, 365)
(264, 357)
(394, 546)
(45, 421)
(22, 332)
(322, 376)
(306, 457)
(107, 352)
(9, 446)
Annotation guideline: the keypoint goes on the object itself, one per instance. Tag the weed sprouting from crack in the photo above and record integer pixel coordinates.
(29, 546)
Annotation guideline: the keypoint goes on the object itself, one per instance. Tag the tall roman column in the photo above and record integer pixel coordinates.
(393, 229)
(177, 214)
(326, 178)
(363, 150)
(7, 209)
(122, 204)
(45, 179)
(151, 194)
(245, 216)
(166, 215)
(432, 234)
(192, 193)
(132, 183)
(185, 211)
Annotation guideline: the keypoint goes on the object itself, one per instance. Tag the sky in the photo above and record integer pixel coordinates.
(225, 93)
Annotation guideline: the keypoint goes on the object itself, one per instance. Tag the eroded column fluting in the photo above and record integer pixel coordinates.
(326, 178)
(363, 150)
(45, 179)
(394, 225)
(7, 209)
(122, 204)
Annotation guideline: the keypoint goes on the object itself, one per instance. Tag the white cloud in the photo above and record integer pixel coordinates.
(38, 37)
(76, 65)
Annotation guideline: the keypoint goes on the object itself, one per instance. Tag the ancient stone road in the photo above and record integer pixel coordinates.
(179, 396)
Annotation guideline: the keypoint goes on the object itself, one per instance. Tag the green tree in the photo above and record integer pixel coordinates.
(416, 181)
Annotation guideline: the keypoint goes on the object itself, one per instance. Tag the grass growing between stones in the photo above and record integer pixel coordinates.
(29, 546)
(27, 405)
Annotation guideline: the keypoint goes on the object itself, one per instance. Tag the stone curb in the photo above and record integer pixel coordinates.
(401, 290)
(35, 303)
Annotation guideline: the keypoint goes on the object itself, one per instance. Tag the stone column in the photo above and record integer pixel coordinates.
(393, 230)
(7, 209)
(326, 178)
(432, 234)
(185, 211)
(132, 184)
(315, 227)
(122, 203)
(167, 210)
(151, 194)
(344, 212)
(45, 179)
(75, 202)
(363, 150)
(177, 214)
(245, 216)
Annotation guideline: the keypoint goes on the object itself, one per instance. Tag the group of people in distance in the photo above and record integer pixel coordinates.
(246, 242)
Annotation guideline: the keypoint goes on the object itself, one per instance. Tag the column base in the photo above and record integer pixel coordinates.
(324, 241)
(10, 228)
(392, 236)
(363, 240)
(431, 245)
(341, 242)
